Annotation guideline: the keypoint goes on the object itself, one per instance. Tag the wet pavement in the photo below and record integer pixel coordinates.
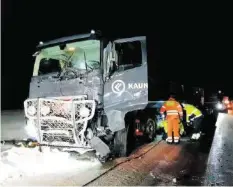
(163, 165)
(183, 164)
(208, 162)
(219, 170)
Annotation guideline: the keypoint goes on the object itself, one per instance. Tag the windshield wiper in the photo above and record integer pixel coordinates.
(86, 62)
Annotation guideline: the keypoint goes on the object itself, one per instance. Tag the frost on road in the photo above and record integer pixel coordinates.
(18, 163)
(24, 162)
(184, 164)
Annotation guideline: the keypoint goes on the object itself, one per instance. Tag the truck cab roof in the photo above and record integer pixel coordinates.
(69, 39)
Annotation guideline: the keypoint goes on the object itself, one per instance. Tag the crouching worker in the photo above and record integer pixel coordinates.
(194, 119)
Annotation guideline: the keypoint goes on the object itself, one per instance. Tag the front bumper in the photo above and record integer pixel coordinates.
(63, 123)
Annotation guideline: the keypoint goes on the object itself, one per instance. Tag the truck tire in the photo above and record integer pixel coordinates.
(151, 129)
(121, 143)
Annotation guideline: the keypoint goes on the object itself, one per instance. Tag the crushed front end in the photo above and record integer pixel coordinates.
(61, 121)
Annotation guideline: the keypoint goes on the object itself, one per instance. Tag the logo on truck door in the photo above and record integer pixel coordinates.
(118, 86)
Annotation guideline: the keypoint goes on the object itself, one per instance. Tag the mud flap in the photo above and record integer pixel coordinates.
(100, 147)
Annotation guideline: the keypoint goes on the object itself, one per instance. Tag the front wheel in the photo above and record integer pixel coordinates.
(120, 143)
(124, 142)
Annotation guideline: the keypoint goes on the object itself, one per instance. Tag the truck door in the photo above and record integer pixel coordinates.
(126, 84)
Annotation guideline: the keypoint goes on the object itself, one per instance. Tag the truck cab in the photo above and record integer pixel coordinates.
(86, 92)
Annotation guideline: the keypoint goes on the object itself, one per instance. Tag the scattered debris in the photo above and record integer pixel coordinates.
(152, 175)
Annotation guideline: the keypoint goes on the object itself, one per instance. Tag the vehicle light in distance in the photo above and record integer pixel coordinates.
(219, 106)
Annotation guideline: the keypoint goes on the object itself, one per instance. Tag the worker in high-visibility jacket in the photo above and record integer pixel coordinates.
(173, 112)
(194, 119)
(163, 125)
(230, 108)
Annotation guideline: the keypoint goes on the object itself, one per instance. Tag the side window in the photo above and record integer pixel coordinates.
(49, 66)
(129, 55)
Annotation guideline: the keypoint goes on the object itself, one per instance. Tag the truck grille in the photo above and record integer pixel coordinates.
(61, 122)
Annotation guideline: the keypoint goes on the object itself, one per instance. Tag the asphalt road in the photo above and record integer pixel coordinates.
(219, 171)
(184, 164)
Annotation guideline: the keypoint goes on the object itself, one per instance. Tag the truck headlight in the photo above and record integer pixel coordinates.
(31, 110)
(84, 112)
(45, 110)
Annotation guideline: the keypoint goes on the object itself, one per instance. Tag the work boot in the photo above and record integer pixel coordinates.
(169, 140)
(198, 135)
(193, 136)
(177, 141)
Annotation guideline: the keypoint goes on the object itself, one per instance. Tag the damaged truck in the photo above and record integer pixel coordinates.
(90, 93)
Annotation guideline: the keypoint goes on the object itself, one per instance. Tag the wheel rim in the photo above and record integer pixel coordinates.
(150, 128)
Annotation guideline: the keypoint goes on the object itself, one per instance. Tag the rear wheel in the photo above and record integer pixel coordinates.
(151, 129)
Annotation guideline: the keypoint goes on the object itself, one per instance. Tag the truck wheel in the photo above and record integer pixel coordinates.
(124, 141)
(120, 143)
(151, 129)
(102, 159)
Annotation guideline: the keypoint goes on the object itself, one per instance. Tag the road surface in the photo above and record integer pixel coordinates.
(153, 164)
(220, 163)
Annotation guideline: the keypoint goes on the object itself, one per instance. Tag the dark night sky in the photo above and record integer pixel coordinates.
(195, 39)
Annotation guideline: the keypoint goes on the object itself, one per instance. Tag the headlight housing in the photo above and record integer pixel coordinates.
(31, 110)
(45, 110)
(84, 112)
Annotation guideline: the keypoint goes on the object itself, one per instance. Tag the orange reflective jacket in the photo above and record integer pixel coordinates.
(172, 108)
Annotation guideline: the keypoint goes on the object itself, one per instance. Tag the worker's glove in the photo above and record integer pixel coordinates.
(189, 123)
(191, 118)
(163, 117)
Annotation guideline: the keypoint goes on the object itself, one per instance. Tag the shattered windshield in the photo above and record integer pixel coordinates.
(83, 55)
